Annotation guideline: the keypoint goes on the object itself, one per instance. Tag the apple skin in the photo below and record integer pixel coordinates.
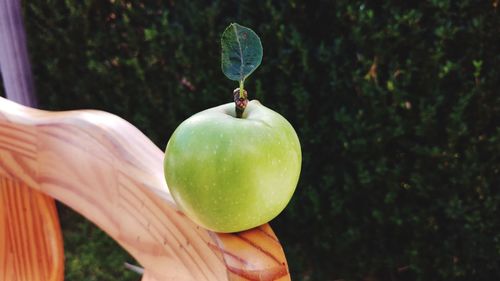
(231, 174)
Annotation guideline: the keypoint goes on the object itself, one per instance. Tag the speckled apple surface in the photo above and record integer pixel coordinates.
(230, 174)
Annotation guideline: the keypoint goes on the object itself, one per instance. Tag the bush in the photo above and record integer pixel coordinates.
(394, 103)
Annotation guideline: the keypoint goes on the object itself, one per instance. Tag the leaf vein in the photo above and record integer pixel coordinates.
(241, 51)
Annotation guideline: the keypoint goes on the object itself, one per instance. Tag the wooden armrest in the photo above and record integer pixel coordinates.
(107, 170)
(31, 247)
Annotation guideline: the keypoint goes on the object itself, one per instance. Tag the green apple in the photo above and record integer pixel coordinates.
(235, 166)
(230, 174)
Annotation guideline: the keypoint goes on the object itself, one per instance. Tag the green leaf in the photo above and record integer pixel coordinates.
(150, 34)
(241, 52)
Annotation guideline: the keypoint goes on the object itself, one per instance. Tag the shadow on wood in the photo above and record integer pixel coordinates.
(107, 170)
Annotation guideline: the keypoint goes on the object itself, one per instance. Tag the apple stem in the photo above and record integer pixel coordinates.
(241, 101)
(242, 84)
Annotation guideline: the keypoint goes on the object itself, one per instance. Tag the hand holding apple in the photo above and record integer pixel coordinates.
(230, 170)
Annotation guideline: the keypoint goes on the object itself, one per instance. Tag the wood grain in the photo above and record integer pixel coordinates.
(30, 239)
(108, 171)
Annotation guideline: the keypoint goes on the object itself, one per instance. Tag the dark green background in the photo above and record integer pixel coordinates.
(401, 164)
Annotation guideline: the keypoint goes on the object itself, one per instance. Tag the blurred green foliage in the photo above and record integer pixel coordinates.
(396, 104)
(90, 254)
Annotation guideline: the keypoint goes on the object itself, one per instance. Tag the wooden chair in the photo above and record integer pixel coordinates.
(105, 169)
